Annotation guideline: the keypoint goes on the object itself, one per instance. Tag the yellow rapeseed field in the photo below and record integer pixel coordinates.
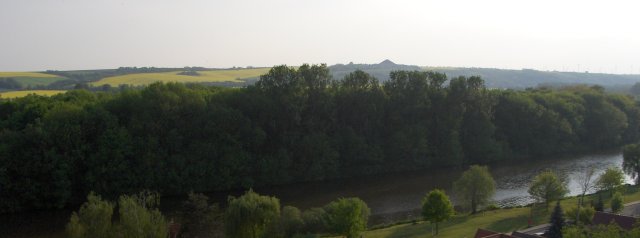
(231, 75)
(17, 94)
(26, 74)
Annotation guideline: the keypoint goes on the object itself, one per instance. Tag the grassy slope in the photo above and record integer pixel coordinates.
(26, 74)
(17, 94)
(502, 220)
(205, 76)
(31, 78)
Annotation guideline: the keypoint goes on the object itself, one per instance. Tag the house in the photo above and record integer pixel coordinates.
(482, 233)
(603, 218)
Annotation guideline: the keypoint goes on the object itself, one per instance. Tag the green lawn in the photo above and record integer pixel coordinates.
(502, 220)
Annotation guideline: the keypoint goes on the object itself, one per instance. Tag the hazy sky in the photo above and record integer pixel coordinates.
(598, 36)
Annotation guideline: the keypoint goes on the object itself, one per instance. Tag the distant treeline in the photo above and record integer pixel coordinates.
(293, 125)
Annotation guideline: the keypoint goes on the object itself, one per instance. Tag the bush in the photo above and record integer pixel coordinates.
(586, 214)
(491, 207)
(616, 202)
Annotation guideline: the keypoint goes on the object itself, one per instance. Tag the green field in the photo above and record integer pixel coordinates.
(232, 75)
(501, 220)
(17, 94)
(32, 78)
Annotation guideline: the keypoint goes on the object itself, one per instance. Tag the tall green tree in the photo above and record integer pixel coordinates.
(436, 207)
(631, 161)
(347, 216)
(547, 187)
(557, 223)
(475, 186)
(249, 215)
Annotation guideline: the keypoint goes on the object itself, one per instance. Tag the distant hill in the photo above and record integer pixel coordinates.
(26, 79)
(495, 78)
(380, 71)
(525, 78)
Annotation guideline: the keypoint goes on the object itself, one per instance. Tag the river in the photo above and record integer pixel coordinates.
(391, 197)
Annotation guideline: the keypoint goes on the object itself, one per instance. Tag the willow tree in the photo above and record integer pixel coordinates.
(476, 186)
(547, 187)
(250, 215)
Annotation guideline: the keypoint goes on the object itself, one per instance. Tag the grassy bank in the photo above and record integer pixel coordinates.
(501, 220)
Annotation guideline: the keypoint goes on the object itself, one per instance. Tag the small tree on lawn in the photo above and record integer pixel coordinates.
(436, 207)
(547, 187)
(557, 222)
(611, 179)
(476, 185)
(347, 216)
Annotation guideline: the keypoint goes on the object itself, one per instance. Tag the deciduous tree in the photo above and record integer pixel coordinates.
(475, 186)
(547, 187)
(436, 207)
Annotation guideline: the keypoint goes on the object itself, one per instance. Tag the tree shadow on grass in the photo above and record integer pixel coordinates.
(423, 229)
(509, 224)
(540, 215)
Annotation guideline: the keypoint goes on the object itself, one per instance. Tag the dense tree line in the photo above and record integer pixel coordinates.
(294, 124)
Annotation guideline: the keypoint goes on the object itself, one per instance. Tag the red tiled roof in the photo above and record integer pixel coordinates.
(625, 222)
(482, 233)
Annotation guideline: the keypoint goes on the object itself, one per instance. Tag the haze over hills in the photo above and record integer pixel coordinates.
(495, 78)
(240, 77)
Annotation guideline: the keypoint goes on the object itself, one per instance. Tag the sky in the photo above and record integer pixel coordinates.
(594, 36)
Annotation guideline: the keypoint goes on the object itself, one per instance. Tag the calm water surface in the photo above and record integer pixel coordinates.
(398, 196)
(391, 197)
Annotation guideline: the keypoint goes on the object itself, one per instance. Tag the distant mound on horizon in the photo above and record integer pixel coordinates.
(495, 78)
(380, 71)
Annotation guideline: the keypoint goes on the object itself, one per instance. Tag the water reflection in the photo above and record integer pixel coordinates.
(398, 196)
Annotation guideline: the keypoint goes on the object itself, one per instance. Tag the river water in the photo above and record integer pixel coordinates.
(398, 196)
(391, 197)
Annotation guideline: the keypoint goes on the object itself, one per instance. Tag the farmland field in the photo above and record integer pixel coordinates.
(17, 94)
(232, 75)
(26, 74)
(31, 78)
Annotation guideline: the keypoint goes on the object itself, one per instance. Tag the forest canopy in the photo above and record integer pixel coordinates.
(295, 124)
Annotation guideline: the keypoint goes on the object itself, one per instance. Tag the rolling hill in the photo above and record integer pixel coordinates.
(204, 76)
(26, 79)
